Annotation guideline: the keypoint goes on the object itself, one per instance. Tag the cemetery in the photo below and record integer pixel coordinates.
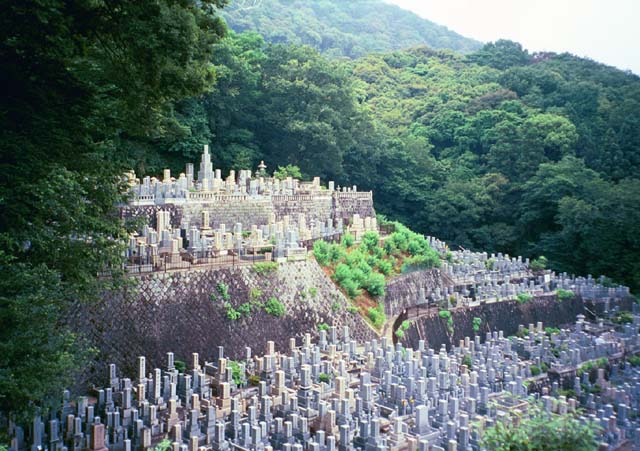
(220, 268)
(338, 393)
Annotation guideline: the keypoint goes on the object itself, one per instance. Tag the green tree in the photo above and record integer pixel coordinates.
(540, 430)
(85, 79)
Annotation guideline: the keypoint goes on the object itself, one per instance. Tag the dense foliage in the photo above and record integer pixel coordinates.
(499, 150)
(80, 79)
(351, 28)
(541, 431)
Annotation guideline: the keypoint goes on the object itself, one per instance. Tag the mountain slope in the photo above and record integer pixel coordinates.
(342, 28)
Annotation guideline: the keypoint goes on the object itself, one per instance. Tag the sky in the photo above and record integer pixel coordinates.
(607, 31)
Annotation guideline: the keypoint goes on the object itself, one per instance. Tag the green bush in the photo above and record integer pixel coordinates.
(400, 334)
(428, 260)
(244, 309)
(466, 360)
(351, 287)
(370, 241)
(405, 324)
(236, 372)
(523, 298)
(490, 263)
(255, 294)
(323, 326)
(336, 306)
(274, 307)
(535, 370)
(180, 366)
(342, 272)
(476, 324)
(348, 240)
(539, 263)
(336, 253)
(321, 252)
(623, 317)
(551, 330)
(634, 360)
(564, 295)
(375, 284)
(446, 314)
(353, 309)
(313, 291)
(377, 316)
(323, 377)
(232, 313)
(265, 267)
(223, 289)
(385, 267)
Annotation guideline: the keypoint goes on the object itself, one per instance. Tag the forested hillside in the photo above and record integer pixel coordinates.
(351, 28)
(499, 150)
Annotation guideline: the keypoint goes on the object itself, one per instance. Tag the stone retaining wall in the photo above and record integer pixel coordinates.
(505, 316)
(164, 312)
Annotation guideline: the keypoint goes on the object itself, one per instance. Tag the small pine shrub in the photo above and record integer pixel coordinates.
(265, 267)
(348, 240)
(539, 263)
(476, 324)
(324, 377)
(377, 316)
(564, 295)
(274, 307)
(323, 326)
(523, 298)
(400, 333)
(313, 291)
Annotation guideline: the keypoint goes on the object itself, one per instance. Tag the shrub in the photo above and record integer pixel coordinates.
(384, 266)
(370, 241)
(428, 260)
(335, 306)
(274, 307)
(523, 298)
(446, 314)
(290, 170)
(551, 330)
(489, 264)
(400, 333)
(342, 272)
(539, 263)
(405, 324)
(353, 309)
(351, 287)
(535, 370)
(265, 267)
(348, 240)
(255, 294)
(254, 380)
(321, 252)
(540, 430)
(466, 360)
(180, 366)
(244, 309)
(564, 295)
(623, 317)
(323, 326)
(236, 372)
(233, 314)
(313, 291)
(476, 324)
(377, 316)
(223, 289)
(634, 360)
(336, 253)
(375, 284)
(324, 377)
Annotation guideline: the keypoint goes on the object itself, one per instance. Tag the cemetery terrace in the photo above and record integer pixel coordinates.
(338, 394)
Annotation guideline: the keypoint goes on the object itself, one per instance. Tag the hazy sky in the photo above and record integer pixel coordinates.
(607, 31)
